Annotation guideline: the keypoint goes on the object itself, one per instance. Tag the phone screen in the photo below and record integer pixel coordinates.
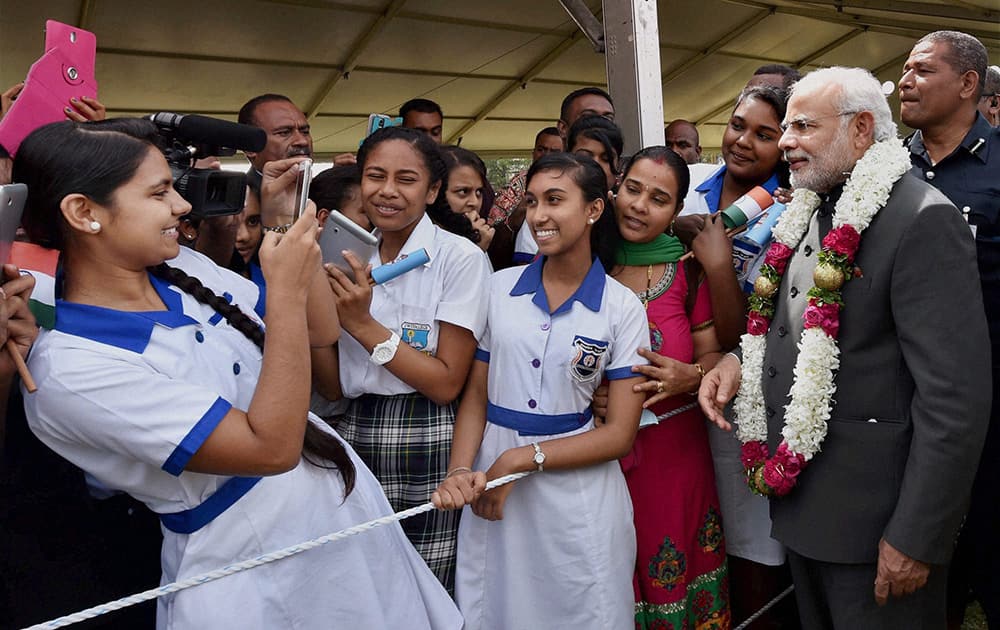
(302, 188)
(12, 198)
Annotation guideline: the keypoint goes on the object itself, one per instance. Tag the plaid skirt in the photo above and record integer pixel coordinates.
(406, 442)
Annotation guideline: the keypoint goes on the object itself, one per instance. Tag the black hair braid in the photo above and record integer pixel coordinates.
(193, 286)
(316, 442)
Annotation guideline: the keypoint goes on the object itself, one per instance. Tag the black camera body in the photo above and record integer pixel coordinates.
(211, 192)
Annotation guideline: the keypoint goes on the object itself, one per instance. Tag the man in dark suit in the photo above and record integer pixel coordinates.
(870, 525)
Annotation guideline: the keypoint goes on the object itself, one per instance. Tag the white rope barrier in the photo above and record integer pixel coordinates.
(251, 563)
(752, 618)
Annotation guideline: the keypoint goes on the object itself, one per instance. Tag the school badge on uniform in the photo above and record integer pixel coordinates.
(416, 335)
(587, 362)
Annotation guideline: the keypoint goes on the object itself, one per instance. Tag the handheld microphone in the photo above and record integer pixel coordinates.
(387, 272)
(747, 208)
(212, 131)
(749, 248)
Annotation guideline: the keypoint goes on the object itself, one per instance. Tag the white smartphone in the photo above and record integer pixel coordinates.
(302, 183)
(12, 198)
(339, 234)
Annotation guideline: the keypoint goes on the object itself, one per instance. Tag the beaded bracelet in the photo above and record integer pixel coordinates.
(278, 229)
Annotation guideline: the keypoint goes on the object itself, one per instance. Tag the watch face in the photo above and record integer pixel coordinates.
(539, 458)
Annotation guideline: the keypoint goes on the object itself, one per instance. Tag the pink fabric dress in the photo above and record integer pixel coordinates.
(680, 578)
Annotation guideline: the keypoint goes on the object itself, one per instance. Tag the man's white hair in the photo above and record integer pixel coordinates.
(859, 92)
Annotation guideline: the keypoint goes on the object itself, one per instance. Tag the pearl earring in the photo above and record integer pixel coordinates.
(590, 221)
(95, 226)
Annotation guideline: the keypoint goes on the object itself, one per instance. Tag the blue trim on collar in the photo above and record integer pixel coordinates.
(712, 186)
(590, 293)
(771, 184)
(215, 319)
(128, 330)
(482, 355)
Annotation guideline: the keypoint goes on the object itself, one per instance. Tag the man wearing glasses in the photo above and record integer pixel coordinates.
(957, 150)
(869, 520)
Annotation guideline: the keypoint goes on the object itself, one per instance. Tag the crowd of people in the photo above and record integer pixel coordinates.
(210, 390)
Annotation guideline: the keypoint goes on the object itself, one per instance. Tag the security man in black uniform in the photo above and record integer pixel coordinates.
(956, 150)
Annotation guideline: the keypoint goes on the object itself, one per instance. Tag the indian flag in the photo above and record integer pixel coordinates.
(40, 263)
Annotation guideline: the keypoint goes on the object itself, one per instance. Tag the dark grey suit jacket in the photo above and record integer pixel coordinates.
(913, 390)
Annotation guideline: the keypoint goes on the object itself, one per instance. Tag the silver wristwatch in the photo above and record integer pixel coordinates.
(384, 352)
(539, 457)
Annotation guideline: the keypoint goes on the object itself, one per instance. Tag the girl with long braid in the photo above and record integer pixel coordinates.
(158, 380)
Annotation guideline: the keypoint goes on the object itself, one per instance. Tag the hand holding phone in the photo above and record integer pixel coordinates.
(282, 182)
(339, 234)
(12, 198)
(65, 71)
(302, 183)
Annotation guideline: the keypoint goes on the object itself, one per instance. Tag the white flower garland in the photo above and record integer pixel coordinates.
(866, 192)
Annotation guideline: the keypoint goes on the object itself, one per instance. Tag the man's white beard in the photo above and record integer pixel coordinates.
(826, 170)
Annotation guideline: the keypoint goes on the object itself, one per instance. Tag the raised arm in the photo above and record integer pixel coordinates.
(714, 252)
(267, 438)
(277, 200)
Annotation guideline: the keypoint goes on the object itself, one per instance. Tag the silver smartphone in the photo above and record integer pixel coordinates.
(302, 183)
(12, 198)
(339, 234)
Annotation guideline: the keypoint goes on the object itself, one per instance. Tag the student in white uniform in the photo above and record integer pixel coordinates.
(410, 341)
(556, 549)
(155, 385)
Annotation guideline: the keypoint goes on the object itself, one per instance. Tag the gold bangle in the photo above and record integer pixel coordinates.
(458, 470)
(701, 370)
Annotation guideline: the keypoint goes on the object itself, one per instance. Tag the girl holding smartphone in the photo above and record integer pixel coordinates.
(159, 381)
(410, 341)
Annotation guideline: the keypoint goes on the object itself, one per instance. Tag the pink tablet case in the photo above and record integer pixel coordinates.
(66, 70)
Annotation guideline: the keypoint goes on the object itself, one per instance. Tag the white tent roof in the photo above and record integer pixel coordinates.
(499, 68)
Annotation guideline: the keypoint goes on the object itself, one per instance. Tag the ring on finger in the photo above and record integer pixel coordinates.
(659, 387)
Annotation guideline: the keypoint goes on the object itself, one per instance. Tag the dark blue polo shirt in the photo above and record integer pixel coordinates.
(970, 177)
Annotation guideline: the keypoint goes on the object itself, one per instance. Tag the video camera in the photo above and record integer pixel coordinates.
(211, 192)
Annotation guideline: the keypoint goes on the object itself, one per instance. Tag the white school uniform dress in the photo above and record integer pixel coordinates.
(403, 437)
(130, 397)
(564, 553)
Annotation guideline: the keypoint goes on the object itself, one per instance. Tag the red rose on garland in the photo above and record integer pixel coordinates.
(843, 240)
